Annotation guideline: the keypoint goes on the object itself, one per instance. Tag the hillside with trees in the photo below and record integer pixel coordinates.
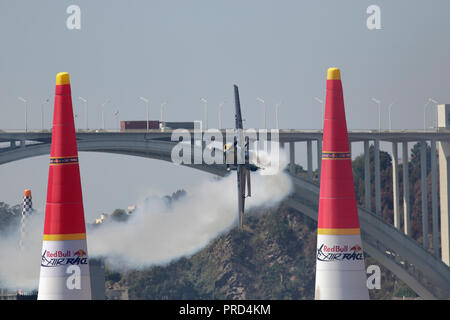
(9, 216)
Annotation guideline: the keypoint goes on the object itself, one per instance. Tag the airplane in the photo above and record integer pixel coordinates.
(230, 150)
(243, 170)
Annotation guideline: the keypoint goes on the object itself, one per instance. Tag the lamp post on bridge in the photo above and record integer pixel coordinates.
(26, 112)
(148, 111)
(390, 122)
(85, 110)
(42, 112)
(425, 113)
(321, 102)
(277, 107)
(103, 113)
(264, 110)
(162, 110)
(206, 112)
(220, 114)
(116, 114)
(379, 112)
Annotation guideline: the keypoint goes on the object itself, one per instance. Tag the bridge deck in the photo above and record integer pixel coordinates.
(285, 135)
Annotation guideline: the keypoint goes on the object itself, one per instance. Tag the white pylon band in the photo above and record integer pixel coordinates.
(340, 269)
(64, 271)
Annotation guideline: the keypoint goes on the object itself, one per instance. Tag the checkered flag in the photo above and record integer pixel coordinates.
(27, 209)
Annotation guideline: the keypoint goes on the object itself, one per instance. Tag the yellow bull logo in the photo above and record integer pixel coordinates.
(79, 253)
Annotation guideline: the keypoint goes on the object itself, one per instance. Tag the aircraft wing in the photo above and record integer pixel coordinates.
(241, 179)
(237, 105)
(243, 173)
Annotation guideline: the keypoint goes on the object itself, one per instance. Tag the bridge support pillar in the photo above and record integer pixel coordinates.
(423, 177)
(319, 157)
(367, 175)
(434, 201)
(377, 177)
(444, 176)
(309, 156)
(395, 185)
(406, 212)
(292, 157)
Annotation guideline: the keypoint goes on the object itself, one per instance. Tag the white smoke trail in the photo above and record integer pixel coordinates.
(157, 233)
(19, 269)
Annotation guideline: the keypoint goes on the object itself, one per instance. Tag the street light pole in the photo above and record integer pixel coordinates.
(162, 109)
(264, 110)
(321, 102)
(220, 114)
(116, 113)
(42, 113)
(379, 112)
(26, 112)
(277, 107)
(75, 120)
(148, 112)
(425, 113)
(85, 110)
(206, 112)
(390, 121)
(103, 113)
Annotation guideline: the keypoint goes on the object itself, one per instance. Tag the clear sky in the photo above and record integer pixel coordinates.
(180, 51)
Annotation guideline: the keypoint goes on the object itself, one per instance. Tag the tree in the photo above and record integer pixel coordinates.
(119, 215)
